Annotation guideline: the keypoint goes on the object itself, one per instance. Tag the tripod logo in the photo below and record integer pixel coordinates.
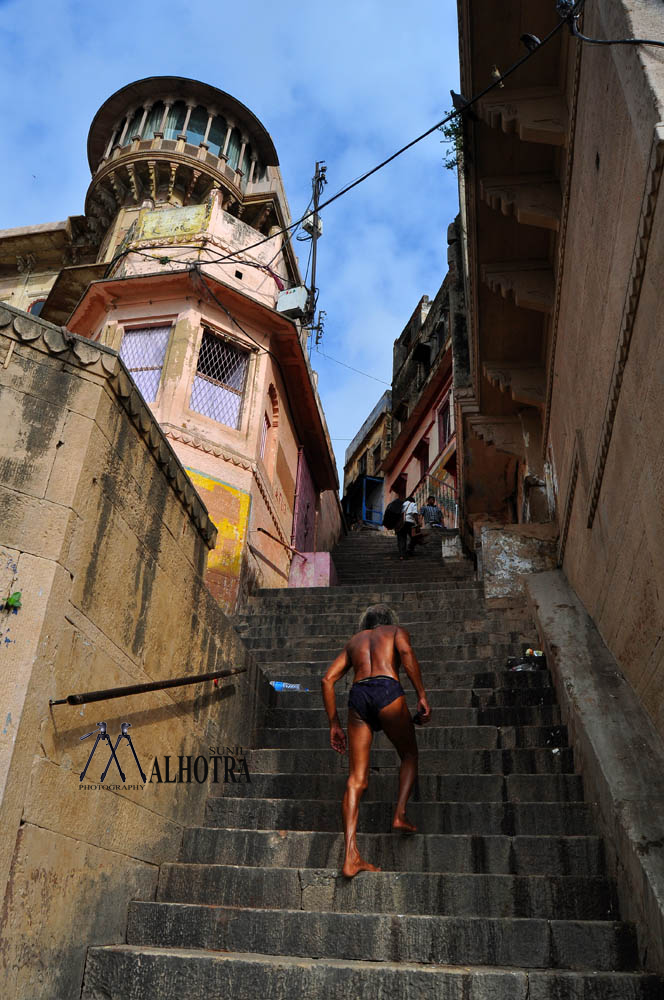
(103, 736)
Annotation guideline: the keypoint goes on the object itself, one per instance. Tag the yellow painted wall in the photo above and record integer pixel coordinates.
(228, 508)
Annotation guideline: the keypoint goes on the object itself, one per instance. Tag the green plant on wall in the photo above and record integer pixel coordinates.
(453, 132)
(13, 602)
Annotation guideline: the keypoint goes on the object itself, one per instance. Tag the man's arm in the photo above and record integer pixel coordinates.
(335, 671)
(412, 668)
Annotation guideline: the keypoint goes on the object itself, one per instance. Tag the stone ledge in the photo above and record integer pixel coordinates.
(80, 352)
(618, 750)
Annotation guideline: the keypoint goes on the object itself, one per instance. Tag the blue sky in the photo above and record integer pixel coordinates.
(347, 82)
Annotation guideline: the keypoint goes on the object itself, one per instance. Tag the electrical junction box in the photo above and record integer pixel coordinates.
(309, 227)
(292, 302)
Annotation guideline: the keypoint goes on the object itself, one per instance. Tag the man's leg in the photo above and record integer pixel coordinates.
(402, 538)
(360, 737)
(409, 537)
(398, 727)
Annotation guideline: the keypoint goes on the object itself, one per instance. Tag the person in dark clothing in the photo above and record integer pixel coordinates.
(376, 701)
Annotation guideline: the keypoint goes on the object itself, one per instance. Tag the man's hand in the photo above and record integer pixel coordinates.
(337, 738)
(424, 710)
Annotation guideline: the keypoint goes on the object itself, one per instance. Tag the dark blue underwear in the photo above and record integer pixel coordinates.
(369, 696)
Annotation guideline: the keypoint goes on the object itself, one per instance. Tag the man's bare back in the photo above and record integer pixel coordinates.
(374, 651)
(376, 701)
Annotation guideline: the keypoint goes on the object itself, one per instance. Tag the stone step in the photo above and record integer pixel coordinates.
(476, 696)
(358, 596)
(566, 897)
(429, 787)
(444, 697)
(398, 586)
(440, 652)
(378, 937)
(283, 669)
(532, 819)
(126, 972)
(498, 855)
(446, 618)
(439, 686)
(430, 737)
(534, 760)
(524, 715)
(422, 639)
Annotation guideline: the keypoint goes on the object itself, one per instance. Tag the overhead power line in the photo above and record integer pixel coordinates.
(497, 82)
(344, 365)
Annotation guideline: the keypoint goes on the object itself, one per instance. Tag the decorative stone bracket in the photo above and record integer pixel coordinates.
(535, 200)
(505, 433)
(530, 284)
(525, 383)
(538, 114)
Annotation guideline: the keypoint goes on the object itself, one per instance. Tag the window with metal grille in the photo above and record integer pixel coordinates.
(266, 427)
(143, 351)
(219, 380)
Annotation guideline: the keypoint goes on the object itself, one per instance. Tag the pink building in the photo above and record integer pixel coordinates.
(179, 262)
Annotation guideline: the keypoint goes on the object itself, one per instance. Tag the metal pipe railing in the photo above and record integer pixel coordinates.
(291, 548)
(120, 692)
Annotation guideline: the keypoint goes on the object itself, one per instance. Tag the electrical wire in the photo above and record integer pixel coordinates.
(343, 363)
(610, 41)
(369, 173)
(570, 13)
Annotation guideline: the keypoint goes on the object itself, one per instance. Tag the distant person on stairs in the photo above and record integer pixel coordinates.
(405, 533)
(376, 701)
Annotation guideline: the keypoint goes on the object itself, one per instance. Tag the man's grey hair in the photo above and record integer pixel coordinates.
(377, 614)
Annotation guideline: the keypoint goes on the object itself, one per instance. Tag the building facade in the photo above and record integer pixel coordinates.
(559, 389)
(422, 459)
(178, 263)
(363, 500)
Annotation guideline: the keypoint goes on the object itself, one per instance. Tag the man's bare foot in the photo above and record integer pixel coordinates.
(403, 825)
(353, 866)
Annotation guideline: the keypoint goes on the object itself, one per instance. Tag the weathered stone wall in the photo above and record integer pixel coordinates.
(607, 433)
(106, 539)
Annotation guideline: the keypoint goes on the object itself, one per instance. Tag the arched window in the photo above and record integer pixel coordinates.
(154, 120)
(133, 126)
(217, 136)
(197, 126)
(175, 120)
(234, 147)
(36, 307)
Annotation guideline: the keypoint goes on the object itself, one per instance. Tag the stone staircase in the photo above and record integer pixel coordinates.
(501, 895)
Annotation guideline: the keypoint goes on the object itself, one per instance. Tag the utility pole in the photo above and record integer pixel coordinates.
(318, 183)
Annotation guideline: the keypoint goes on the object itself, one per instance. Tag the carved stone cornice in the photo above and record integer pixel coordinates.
(525, 383)
(533, 200)
(505, 433)
(201, 444)
(538, 114)
(630, 308)
(80, 352)
(529, 283)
